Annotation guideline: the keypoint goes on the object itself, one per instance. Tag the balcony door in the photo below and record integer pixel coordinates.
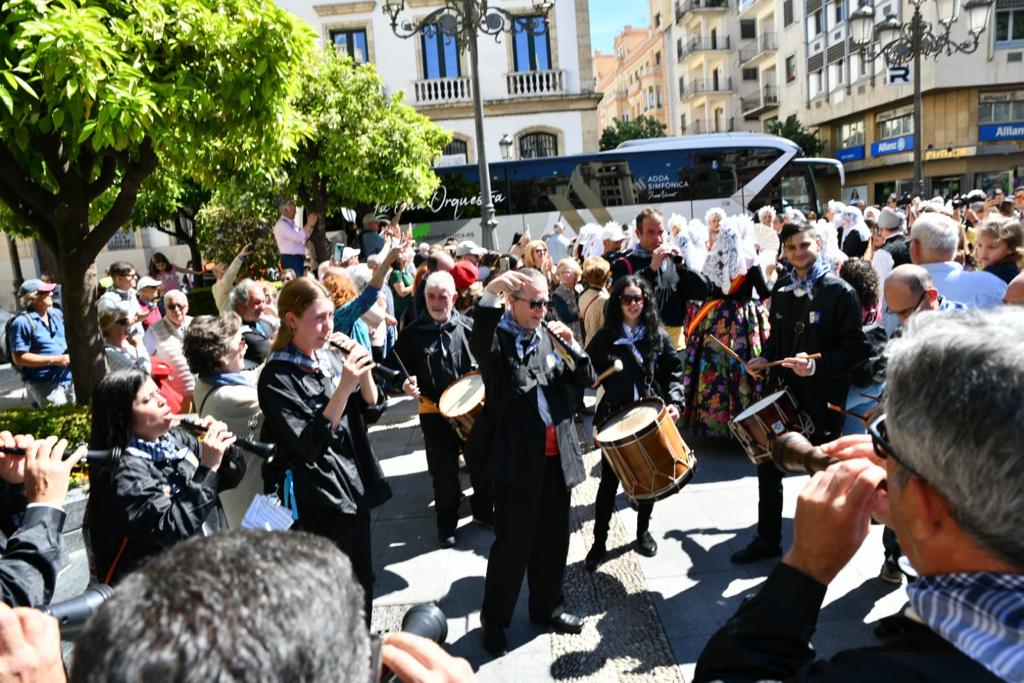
(440, 54)
(531, 44)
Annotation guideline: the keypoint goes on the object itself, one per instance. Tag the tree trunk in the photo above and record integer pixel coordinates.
(47, 261)
(19, 277)
(81, 323)
(188, 236)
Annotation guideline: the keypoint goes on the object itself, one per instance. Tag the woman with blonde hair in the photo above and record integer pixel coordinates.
(317, 404)
(535, 255)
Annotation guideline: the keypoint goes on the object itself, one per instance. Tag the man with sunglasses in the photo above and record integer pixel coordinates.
(39, 347)
(164, 341)
(535, 456)
(812, 312)
(946, 476)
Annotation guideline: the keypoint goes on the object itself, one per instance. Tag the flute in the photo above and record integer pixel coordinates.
(267, 451)
(380, 372)
(575, 357)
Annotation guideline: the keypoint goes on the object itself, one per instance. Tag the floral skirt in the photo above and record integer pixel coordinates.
(716, 386)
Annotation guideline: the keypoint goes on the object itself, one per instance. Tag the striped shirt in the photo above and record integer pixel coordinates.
(981, 614)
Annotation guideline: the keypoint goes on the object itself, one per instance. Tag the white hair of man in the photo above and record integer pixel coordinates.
(240, 293)
(284, 204)
(175, 295)
(937, 234)
(966, 446)
(441, 279)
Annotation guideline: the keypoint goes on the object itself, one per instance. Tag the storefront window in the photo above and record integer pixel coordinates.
(1002, 180)
(946, 187)
(901, 125)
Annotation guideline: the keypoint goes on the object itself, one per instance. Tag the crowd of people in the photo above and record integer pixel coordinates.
(862, 317)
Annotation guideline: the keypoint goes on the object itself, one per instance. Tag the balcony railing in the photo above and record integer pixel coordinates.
(762, 45)
(697, 87)
(442, 90)
(532, 83)
(704, 44)
(683, 7)
(754, 106)
(701, 126)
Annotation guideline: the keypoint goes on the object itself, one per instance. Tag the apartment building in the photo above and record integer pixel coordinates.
(972, 106)
(632, 80)
(538, 88)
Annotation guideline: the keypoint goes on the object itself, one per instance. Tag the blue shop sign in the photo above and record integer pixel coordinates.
(903, 143)
(1001, 131)
(850, 153)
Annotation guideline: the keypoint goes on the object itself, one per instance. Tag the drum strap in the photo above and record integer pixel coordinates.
(427, 407)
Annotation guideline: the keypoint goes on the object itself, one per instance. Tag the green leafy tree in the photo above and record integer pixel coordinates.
(239, 212)
(793, 130)
(363, 146)
(638, 129)
(95, 95)
(169, 203)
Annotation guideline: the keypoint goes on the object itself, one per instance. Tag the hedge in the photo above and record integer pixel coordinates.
(200, 302)
(69, 422)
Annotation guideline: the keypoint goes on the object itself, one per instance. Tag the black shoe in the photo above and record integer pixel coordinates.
(594, 557)
(446, 539)
(493, 638)
(645, 544)
(757, 550)
(562, 622)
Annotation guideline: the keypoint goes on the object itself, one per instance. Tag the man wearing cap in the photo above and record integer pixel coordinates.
(39, 347)
(370, 239)
(612, 238)
(148, 293)
(469, 252)
(291, 239)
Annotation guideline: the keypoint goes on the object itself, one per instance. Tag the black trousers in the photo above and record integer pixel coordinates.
(531, 536)
(606, 504)
(351, 533)
(443, 446)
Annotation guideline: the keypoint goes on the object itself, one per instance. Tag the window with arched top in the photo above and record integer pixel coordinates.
(455, 147)
(537, 145)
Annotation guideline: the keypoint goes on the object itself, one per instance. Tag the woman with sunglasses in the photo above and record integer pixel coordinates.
(160, 484)
(123, 350)
(535, 255)
(633, 334)
(316, 407)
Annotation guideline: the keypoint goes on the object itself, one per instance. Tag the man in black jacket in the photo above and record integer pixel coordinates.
(812, 311)
(660, 264)
(33, 498)
(953, 474)
(535, 451)
(434, 348)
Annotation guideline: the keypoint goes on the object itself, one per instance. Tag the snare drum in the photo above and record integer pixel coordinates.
(462, 401)
(643, 446)
(759, 425)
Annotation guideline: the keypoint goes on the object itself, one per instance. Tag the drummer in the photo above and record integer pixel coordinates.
(812, 311)
(633, 334)
(434, 348)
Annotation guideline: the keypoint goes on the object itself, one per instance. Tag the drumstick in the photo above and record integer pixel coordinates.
(616, 367)
(401, 366)
(813, 356)
(729, 351)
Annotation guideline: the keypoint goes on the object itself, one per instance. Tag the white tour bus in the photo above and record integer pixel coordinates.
(685, 175)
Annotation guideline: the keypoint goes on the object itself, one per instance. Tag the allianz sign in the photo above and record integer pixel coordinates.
(892, 145)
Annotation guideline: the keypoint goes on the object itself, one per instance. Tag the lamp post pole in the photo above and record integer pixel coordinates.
(916, 23)
(488, 225)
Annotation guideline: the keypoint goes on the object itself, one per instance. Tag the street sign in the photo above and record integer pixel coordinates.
(898, 75)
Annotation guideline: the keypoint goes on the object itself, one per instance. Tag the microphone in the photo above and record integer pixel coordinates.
(73, 614)
(616, 367)
(380, 372)
(267, 451)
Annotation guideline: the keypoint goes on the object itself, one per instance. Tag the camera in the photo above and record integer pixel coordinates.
(427, 621)
(73, 614)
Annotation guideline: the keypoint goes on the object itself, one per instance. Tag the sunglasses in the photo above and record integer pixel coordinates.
(879, 434)
(540, 250)
(177, 307)
(630, 299)
(535, 304)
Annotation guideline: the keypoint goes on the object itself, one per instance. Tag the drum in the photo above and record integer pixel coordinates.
(462, 401)
(759, 425)
(643, 446)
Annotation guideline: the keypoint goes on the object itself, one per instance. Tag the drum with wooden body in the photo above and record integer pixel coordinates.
(462, 401)
(759, 425)
(645, 449)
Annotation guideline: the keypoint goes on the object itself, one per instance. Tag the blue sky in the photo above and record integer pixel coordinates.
(608, 17)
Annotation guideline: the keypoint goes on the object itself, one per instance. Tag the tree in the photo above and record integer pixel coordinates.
(169, 203)
(363, 146)
(793, 130)
(239, 212)
(638, 129)
(95, 95)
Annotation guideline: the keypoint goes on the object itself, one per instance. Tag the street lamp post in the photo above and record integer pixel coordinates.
(463, 21)
(899, 44)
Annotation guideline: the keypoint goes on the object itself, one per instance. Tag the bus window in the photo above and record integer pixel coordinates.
(794, 187)
(458, 196)
(721, 173)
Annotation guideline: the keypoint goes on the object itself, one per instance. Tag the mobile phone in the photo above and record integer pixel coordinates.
(339, 248)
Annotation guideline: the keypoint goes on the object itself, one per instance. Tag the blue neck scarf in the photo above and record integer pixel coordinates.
(981, 614)
(805, 285)
(526, 340)
(629, 338)
(225, 379)
(161, 450)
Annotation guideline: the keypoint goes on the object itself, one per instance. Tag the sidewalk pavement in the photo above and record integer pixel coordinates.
(647, 619)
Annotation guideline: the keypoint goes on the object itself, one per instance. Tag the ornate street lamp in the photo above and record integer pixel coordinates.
(899, 44)
(463, 21)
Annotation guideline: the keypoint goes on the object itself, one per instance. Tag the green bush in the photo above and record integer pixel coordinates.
(200, 302)
(69, 422)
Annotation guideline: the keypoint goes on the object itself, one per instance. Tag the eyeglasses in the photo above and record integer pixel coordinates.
(907, 312)
(879, 438)
(177, 307)
(535, 304)
(540, 250)
(630, 299)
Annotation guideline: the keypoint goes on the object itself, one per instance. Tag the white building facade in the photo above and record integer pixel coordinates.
(537, 86)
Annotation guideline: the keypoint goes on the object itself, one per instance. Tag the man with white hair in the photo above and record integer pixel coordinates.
(434, 348)
(291, 239)
(558, 243)
(933, 243)
(164, 341)
(249, 301)
(946, 476)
